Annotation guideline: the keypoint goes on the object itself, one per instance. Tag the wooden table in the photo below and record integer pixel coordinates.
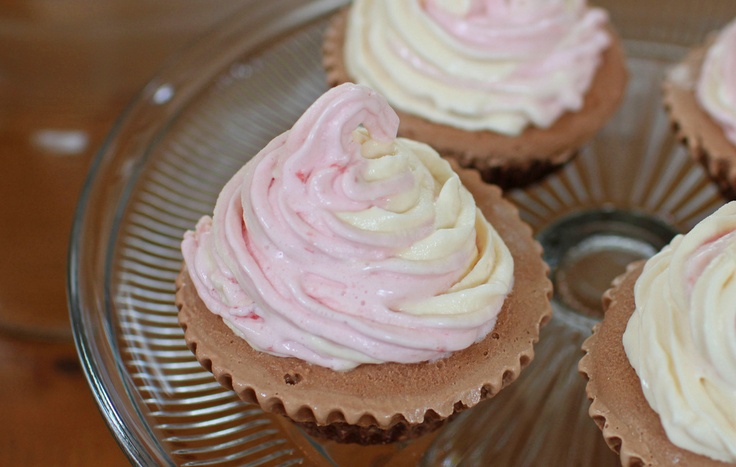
(67, 69)
(48, 414)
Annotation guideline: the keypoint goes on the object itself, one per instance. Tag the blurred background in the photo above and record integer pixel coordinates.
(67, 70)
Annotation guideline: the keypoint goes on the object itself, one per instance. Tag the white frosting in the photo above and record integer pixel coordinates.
(681, 340)
(498, 65)
(716, 89)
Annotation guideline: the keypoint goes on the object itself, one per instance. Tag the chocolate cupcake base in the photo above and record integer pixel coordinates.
(630, 426)
(506, 161)
(703, 136)
(388, 402)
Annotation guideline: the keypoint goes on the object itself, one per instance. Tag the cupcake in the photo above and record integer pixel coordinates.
(510, 88)
(700, 97)
(349, 281)
(662, 364)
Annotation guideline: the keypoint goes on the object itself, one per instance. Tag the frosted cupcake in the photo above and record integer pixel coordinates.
(700, 96)
(511, 88)
(662, 365)
(349, 281)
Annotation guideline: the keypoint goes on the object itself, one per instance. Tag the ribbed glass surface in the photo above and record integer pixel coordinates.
(214, 107)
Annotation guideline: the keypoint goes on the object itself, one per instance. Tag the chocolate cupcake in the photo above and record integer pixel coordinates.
(349, 281)
(700, 97)
(662, 364)
(511, 89)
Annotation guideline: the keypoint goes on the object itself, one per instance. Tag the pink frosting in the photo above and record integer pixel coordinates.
(703, 256)
(504, 28)
(287, 274)
(494, 65)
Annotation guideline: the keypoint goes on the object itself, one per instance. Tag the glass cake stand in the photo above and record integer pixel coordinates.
(214, 106)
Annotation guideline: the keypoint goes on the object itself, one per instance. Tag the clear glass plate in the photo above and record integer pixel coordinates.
(215, 105)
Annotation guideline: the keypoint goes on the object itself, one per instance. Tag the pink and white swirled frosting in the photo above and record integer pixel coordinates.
(498, 65)
(681, 339)
(716, 88)
(340, 244)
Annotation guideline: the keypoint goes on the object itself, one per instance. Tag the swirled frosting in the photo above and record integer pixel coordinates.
(340, 244)
(498, 65)
(681, 340)
(716, 88)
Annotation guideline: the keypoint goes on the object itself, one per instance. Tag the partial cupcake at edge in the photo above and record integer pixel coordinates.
(510, 88)
(662, 364)
(355, 283)
(700, 96)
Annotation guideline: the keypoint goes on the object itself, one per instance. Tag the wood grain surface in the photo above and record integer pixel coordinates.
(67, 69)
